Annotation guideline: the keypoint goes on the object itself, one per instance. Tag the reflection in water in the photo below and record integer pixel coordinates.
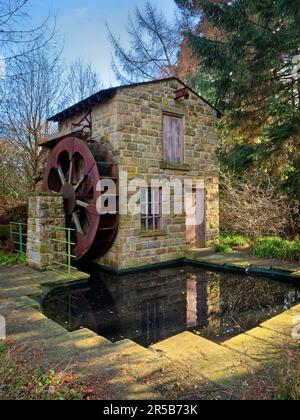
(151, 306)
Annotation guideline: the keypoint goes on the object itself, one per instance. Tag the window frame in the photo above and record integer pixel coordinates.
(151, 220)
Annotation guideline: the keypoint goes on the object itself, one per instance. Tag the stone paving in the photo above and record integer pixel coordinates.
(183, 365)
(242, 262)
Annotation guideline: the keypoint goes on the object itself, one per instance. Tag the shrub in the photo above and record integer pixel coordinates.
(222, 248)
(232, 240)
(254, 207)
(228, 241)
(277, 248)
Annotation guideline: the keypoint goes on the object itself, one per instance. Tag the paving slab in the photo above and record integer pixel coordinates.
(212, 361)
(243, 261)
(27, 324)
(263, 346)
(296, 308)
(283, 323)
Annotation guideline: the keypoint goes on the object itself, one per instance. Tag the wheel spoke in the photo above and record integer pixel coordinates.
(77, 223)
(61, 175)
(71, 171)
(81, 203)
(79, 183)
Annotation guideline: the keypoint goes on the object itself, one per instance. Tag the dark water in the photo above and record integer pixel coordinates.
(151, 306)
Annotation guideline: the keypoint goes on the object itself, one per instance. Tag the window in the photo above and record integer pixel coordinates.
(173, 139)
(151, 208)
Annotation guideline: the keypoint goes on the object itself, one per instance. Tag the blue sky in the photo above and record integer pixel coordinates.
(82, 25)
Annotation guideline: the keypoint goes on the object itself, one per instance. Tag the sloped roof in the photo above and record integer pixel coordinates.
(105, 95)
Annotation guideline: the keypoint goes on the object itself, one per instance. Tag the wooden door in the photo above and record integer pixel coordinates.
(173, 133)
(195, 219)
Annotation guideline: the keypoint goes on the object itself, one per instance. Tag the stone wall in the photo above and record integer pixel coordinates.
(138, 140)
(45, 214)
(131, 127)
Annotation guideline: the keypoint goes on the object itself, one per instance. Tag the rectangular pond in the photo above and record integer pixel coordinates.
(151, 306)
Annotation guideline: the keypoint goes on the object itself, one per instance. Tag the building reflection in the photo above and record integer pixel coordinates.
(151, 306)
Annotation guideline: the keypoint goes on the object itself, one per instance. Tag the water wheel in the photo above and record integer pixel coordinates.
(75, 168)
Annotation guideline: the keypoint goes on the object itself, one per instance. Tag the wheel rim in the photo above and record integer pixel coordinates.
(73, 170)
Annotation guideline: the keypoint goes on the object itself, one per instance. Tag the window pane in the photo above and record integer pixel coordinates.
(150, 223)
(157, 223)
(144, 201)
(144, 223)
(151, 208)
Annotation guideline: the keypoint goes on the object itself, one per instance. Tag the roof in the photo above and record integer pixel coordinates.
(105, 95)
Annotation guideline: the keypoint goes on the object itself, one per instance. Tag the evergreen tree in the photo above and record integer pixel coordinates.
(254, 75)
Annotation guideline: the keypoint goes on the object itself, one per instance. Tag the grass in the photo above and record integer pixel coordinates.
(11, 259)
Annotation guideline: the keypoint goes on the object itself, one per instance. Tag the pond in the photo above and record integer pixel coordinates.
(151, 306)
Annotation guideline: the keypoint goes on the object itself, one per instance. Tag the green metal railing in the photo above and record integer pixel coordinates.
(60, 244)
(18, 236)
(63, 265)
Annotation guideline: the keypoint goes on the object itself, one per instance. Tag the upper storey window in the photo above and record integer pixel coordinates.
(173, 139)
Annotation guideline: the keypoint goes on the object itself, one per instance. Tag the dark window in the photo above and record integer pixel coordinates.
(151, 208)
(173, 139)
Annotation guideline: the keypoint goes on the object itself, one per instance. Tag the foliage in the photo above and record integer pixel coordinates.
(252, 75)
(223, 248)
(11, 259)
(20, 381)
(277, 248)
(288, 383)
(232, 239)
(13, 169)
(264, 247)
(228, 241)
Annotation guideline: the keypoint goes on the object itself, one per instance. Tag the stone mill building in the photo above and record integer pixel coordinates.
(160, 129)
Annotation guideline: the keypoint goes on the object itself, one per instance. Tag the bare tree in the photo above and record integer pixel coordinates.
(29, 98)
(81, 81)
(154, 45)
(17, 37)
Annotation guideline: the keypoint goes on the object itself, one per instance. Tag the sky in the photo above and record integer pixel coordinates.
(81, 23)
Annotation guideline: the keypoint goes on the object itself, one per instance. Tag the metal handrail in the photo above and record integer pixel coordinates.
(67, 254)
(20, 235)
(19, 238)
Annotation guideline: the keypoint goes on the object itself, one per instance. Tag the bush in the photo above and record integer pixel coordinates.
(232, 240)
(223, 249)
(277, 248)
(254, 207)
(228, 241)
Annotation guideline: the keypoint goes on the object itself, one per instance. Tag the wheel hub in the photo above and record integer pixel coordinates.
(69, 198)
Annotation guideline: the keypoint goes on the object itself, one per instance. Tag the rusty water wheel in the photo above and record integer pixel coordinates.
(75, 168)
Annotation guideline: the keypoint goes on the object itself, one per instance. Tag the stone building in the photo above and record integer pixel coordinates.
(162, 130)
